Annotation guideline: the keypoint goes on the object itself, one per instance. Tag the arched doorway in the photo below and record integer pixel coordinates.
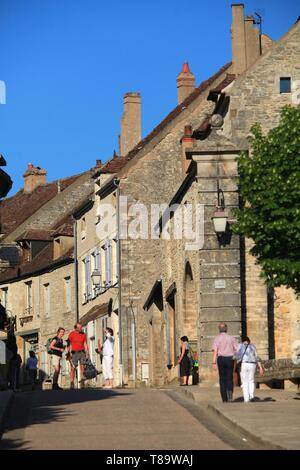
(189, 305)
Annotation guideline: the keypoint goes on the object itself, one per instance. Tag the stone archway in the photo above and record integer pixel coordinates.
(189, 305)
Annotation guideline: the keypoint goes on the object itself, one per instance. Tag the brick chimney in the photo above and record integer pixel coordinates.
(187, 142)
(33, 177)
(245, 40)
(130, 123)
(185, 83)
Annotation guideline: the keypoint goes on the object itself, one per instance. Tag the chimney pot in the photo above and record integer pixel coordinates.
(185, 83)
(245, 40)
(188, 131)
(33, 177)
(130, 123)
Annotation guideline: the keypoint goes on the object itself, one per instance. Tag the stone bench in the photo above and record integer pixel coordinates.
(279, 369)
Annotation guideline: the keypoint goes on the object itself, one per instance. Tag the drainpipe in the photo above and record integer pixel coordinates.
(117, 185)
(76, 271)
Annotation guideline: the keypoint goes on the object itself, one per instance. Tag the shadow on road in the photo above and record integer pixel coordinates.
(256, 400)
(48, 406)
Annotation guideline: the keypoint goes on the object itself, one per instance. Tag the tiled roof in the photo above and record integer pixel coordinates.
(34, 234)
(43, 261)
(63, 227)
(230, 77)
(117, 163)
(16, 209)
(176, 111)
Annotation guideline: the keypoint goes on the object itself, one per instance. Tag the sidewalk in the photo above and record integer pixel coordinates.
(6, 397)
(274, 420)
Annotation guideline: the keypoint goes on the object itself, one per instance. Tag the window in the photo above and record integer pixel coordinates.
(68, 293)
(108, 262)
(4, 297)
(83, 228)
(28, 297)
(285, 84)
(47, 300)
(87, 276)
(115, 259)
(97, 268)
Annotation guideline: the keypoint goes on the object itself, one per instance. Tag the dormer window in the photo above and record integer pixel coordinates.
(285, 84)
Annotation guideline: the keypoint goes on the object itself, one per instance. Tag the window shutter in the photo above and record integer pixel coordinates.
(109, 250)
(88, 290)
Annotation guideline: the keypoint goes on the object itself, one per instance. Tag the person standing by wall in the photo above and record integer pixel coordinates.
(184, 361)
(77, 345)
(248, 359)
(57, 349)
(108, 357)
(31, 366)
(224, 348)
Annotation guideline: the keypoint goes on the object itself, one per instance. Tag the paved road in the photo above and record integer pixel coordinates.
(104, 419)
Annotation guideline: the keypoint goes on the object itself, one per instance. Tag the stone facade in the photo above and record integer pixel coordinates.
(97, 253)
(50, 306)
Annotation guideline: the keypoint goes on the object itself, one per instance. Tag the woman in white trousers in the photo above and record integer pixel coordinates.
(108, 357)
(248, 359)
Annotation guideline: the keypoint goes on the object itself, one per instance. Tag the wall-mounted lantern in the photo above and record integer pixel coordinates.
(220, 216)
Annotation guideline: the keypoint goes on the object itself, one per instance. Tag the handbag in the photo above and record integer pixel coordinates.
(239, 364)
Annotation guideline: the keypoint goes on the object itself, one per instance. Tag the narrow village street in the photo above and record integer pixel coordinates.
(98, 419)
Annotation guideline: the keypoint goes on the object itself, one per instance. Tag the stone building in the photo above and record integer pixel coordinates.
(167, 289)
(150, 286)
(37, 258)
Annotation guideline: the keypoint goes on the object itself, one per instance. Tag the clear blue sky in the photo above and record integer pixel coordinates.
(67, 64)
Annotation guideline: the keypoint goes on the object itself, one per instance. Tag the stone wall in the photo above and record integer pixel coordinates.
(153, 177)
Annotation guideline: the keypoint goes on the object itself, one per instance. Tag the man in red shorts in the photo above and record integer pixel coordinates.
(77, 343)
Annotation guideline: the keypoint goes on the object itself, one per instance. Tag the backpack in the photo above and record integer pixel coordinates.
(90, 371)
(49, 341)
(191, 358)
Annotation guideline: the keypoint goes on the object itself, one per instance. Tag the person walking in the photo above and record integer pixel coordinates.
(31, 366)
(184, 361)
(108, 357)
(14, 371)
(77, 350)
(247, 358)
(224, 348)
(57, 349)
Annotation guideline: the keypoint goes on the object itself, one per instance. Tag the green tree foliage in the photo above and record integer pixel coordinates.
(269, 183)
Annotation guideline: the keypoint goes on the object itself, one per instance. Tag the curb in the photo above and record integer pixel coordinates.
(5, 409)
(237, 427)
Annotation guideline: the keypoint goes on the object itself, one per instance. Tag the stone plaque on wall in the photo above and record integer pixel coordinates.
(220, 284)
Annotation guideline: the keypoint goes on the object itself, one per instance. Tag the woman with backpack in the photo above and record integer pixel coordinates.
(184, 361)
(247, 360)
(57, 348)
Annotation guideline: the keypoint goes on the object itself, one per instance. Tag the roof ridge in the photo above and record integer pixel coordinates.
(162, 124)
(177, 110)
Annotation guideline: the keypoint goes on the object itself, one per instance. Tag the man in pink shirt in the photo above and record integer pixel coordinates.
(224, 347)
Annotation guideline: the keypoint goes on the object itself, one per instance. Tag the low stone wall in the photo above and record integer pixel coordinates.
(278, 369)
